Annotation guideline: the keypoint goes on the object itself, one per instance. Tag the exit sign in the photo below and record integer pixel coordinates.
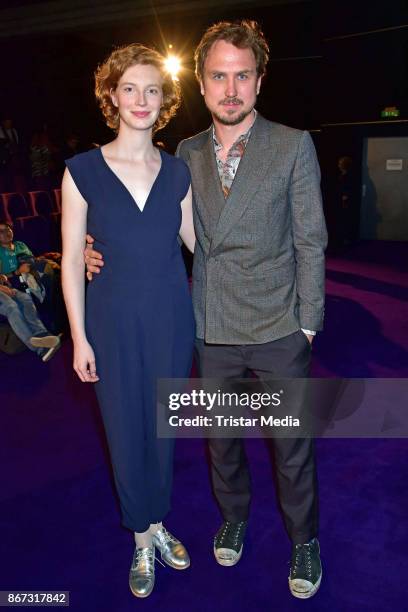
(390, 111)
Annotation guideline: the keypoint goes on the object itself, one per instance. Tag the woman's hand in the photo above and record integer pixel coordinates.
(84, 362)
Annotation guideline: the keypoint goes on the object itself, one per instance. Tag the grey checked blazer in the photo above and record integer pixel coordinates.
(258, 271)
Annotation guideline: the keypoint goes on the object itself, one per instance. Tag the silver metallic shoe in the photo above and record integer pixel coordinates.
(172, 550)
(141, 575)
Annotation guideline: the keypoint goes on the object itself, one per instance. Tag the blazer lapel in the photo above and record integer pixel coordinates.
(207, 185)
(259, 155)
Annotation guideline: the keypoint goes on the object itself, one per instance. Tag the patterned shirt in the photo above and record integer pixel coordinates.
(9, 257)
(228, 169)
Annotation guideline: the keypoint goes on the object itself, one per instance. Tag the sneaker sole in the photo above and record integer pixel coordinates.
(228, 562)
(45, 342)
(306, 594)
(50, 353)
(176, 567)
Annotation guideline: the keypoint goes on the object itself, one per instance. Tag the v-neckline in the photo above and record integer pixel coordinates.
(141, 210)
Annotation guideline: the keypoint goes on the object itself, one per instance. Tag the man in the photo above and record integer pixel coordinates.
(17, 306)
(258, 276)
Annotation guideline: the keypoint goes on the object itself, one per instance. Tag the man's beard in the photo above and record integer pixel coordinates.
(233, 120)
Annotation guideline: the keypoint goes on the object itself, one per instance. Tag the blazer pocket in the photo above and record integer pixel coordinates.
(279, 277)
(270, 279)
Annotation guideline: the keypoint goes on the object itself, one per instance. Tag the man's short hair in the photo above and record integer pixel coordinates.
(244, 34)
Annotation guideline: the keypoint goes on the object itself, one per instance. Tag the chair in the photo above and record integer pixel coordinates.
(36, 232)
(40, 202)
(56, 240)
(14, 206)
(9, 343)
(57, 200)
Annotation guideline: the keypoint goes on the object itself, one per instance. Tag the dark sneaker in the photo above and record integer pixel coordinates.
(228, 542)
(306, 569)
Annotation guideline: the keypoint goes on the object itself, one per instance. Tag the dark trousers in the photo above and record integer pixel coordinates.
(287, 357)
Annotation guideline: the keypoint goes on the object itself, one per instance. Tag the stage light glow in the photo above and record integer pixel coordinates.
(173, 65)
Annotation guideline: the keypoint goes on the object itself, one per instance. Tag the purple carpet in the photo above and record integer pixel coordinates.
(59, 518)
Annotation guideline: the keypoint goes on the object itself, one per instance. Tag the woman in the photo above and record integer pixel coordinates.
(138, 323)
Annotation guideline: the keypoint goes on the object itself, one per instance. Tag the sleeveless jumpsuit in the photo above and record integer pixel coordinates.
(139, 321)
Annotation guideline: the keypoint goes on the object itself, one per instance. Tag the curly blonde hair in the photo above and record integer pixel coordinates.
(108, 74)
(244, 34)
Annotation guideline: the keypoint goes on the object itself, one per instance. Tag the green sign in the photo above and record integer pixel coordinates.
(390, 111)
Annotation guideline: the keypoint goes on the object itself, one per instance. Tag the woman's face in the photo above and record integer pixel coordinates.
(139, 96)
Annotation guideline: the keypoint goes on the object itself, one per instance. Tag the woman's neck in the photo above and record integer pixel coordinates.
(132, 145)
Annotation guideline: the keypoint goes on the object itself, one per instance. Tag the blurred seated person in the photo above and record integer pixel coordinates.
(18, 307)
(27, 279)
(13, 252)
(10, 250)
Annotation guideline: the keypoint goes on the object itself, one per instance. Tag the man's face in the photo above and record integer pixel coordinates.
(230, 82)
(6, 234)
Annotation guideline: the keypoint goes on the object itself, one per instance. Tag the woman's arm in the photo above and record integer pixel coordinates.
(73, 225)
(187, 233)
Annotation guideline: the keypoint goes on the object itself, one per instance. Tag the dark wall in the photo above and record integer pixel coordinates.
(51, 76)
(331, 62)
(312, 78)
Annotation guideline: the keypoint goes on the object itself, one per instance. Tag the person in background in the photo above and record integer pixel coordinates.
(10, 249)
(346, 201)
(27, 279)
(11, 158)
(41, 156)
(16, 305)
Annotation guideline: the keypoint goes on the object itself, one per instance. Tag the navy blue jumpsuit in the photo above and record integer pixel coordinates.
(139, 321)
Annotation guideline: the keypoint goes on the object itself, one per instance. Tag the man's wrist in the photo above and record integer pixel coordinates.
(308, 332)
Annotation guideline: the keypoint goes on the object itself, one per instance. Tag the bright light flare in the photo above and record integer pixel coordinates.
(173, 65)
